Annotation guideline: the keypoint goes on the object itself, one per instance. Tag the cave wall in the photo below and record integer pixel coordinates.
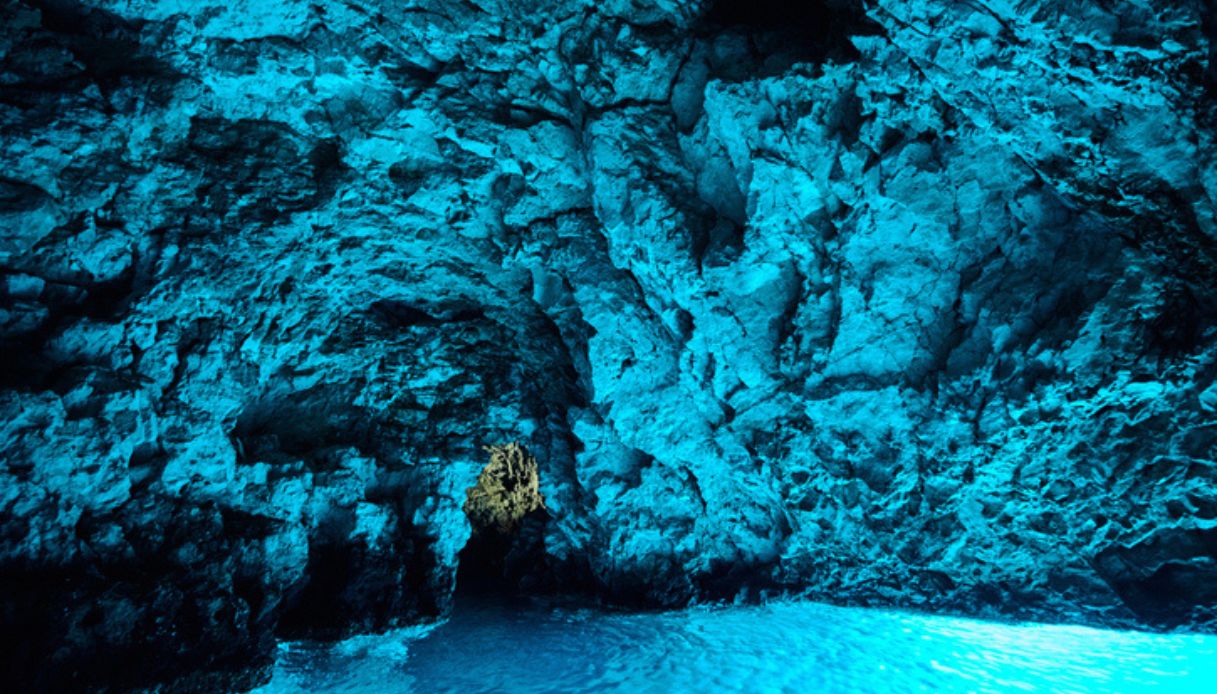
(899, 302)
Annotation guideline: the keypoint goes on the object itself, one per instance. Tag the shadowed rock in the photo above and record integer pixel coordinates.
(902, 303)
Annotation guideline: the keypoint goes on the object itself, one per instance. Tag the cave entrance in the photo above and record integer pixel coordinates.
(507, 515)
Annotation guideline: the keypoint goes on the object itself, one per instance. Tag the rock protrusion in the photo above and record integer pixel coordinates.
(507, 490)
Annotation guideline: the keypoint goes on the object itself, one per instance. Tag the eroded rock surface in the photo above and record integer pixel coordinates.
(507, 490)
(901, 302)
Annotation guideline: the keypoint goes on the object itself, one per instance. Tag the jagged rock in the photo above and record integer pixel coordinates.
(507, 490)
(903, 302)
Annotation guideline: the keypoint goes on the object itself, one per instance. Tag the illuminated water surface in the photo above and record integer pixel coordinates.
(781, 647)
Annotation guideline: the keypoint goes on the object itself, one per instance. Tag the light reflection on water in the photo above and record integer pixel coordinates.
(780, 647)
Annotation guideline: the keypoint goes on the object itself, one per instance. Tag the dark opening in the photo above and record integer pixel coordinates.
(319, 608)
(494, 563)
(1179, 326)
(1209, 19)
(810, 31)
(720, 242)
(507, 517)
(482, 564)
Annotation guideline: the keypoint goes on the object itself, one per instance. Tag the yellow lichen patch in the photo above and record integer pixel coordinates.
(507, 489)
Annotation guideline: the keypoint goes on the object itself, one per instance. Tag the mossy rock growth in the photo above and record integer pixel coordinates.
(507, 490)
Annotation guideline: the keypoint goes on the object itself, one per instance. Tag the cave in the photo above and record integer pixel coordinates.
(892, 304)
(507, 514)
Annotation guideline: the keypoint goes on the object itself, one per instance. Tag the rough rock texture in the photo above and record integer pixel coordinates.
(508, 521)
(902, 302)
(507, 490)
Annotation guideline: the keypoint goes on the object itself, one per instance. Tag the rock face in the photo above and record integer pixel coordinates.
(900, 302)
(507, 490)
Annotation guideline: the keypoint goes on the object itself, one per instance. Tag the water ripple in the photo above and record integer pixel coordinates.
(781, 647)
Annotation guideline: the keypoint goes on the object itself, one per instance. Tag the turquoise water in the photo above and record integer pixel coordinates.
(780, 647)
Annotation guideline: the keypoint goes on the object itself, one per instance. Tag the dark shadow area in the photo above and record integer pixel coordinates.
(25, 363)
(503, 564)
(482, 565)
(813, 31)
(261, 170)
(352, 587)
(1179, 326)
(315, 427)
(183, 606)
(507, 518)
(1181, 590)
(716, 241)
(105, 48)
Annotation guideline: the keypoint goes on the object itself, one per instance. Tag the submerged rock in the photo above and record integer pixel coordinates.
(905, 303)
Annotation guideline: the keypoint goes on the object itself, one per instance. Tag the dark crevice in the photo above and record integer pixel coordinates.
(784, 33)
(507, 516)
(1209, 23)
(106, 48)
(481, 567)
(717, 242)
(24, 360)
(495, 563)
(20, 196)
(261, 170)
(355, 586)
(394, 313)
(1179, 326)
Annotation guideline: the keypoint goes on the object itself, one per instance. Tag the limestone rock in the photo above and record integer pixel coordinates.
(507, 490)
(898, 302)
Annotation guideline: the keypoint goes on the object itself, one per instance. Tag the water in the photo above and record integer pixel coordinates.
(780, 647)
